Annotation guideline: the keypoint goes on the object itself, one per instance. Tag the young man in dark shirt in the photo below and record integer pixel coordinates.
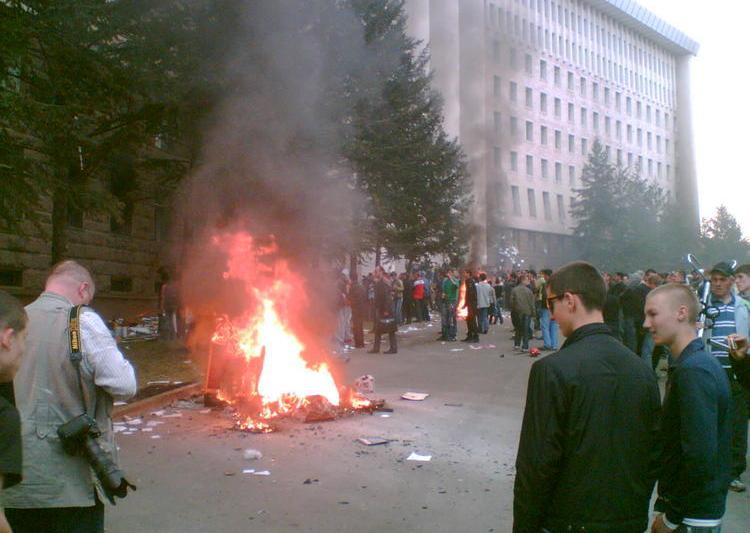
(696, 423)
(12, 344)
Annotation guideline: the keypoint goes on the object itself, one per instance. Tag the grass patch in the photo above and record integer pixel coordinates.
(159, 360)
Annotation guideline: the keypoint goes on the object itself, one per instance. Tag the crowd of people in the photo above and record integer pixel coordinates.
(596, 435)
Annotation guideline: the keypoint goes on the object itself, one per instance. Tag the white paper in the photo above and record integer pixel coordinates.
(417, 457)
(385, 415)
(159, 413)
(204, 411)
(135, 422)
(118, 403)
(248, 471)
(147, 429)
(153, 423)
(262, 473)
(457, 349)
(414, 396)
(155, 436)
(173, 415)
(159, 382)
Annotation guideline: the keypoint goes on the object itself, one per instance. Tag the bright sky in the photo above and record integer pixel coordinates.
(719, 85)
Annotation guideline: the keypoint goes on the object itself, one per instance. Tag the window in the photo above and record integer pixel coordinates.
(583, 117)
(543, 102)
(545, 169)
(571, 175)
(496, 86)
(638, 110)
(558, 140)
(547, 206)
(543, 134)
(583, 87)
(529, 97)
(11, 276)
(558, 172)
(543, 70)
(571, 113)
(516, 200)
(560, 207)
(630, 159)
(570, 81)
(529, 165)
(571, 143)
(121, 284)
(639, 137)
(619, 157)
(496, 156)
(648, 114)
(75, 217)
(629, 106)
(584, 146)
(529, 131)
(607, 126)
(657, 115)
(514, 126)
(496, 122)
(630, 133)
(557, 76)
(666, 146)
(513, 58)
(532, 202)
(606, 96)
(496, 51)
(558, 108)
(650, 168)
(649, 141)
(618, 101)
(595, 120)
(595, 91)
(527, 64)
(514, 161)
(618, 130)
(513, 91)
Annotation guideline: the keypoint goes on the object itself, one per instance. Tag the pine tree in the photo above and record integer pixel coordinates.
(721, 238)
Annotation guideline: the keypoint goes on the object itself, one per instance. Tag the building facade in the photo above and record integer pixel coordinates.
(529, 85)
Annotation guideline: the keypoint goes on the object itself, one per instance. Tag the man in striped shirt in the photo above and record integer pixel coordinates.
(732, 320)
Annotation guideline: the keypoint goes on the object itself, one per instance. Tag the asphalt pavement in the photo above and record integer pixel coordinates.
(193, 474)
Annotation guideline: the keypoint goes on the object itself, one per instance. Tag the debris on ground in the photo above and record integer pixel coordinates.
(372, 441)
(365, 384)
(453, 404)
(414, 396)
(419, 457)
(252, 454)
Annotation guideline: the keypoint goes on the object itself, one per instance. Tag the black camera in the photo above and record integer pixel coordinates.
(78, 437)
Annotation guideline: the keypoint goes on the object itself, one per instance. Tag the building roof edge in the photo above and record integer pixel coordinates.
(641, 19)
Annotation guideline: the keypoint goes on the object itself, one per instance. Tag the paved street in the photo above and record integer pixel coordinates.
(190, 478)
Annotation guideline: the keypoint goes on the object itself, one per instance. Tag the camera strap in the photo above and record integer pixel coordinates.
(76, 349)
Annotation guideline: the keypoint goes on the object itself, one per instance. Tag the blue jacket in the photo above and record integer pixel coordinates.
(696, 432)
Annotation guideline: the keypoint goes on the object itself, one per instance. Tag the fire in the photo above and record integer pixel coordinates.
(274, 372)
(461, 311)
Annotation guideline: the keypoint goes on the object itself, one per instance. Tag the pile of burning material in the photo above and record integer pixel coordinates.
(259, 363)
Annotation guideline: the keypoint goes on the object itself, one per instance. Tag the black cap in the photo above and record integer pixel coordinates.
(723, 268)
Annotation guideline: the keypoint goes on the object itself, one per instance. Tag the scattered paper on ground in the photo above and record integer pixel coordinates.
(414, 396)
(372, 441)
(457, 349)
(262, 473)
(417, 457)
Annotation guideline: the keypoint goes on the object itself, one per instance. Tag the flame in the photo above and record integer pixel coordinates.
(461, 311)
(280, 371)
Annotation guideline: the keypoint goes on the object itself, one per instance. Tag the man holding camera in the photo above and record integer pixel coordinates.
(60, 492)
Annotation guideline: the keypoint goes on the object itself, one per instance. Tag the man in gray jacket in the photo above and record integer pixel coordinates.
(523, 306)
(59, 492)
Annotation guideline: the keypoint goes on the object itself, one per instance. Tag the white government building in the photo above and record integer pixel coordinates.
(528, 85)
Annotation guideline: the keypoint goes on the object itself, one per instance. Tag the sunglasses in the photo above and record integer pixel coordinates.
(551, 300)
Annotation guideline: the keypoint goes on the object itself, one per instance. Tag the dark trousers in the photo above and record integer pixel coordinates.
(57, 519)
(472, 328)
(522, 331)
(739, 428)
(358, 329)
(391, 341)
(408, 310)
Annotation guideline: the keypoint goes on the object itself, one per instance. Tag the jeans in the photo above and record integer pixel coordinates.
(393, 347)
(448, 319)
(549, 329)
(523, 332)
(397, 302)
(484, 319)
(739, 428)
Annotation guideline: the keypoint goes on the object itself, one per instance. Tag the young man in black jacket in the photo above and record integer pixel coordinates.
(586, 458)
(696, 424)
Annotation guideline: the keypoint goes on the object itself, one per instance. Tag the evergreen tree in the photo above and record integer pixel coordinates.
(722, 240)
(414, 177)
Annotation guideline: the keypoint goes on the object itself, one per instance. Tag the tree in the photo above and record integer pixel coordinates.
(413, 176)
(722, 240)
(618, 216)
(75, 102)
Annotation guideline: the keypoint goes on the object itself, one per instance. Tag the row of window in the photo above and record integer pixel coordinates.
(13, 277)
(653, 168)
(546, 203)
(653, 142)
(606, 48)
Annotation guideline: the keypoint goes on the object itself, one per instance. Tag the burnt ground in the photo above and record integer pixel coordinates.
(188, 463)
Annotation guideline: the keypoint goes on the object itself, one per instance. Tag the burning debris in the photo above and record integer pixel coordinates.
(263, 362)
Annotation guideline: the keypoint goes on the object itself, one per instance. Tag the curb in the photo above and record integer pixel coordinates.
(157, 400)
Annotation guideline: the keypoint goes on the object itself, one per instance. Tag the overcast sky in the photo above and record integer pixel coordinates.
(721, 104)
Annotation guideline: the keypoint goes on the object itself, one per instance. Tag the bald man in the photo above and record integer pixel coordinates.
(696, 425)
(58, 492)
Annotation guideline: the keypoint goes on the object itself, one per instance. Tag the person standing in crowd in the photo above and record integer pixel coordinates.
(418, 295)
(696, 422)
(358, 298)
(485, 300)
(448, 311)
(549, 326)
(408, 304)
(384, 319)
(470, 303)
(59, 492)
(523, 306)
(497, 312)
(632, 301)
(733, 319)
(12, 345)
(612, 313)
(398, 296)
(742, 281)
(586, 454)
(344, 312)
(169, 307)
